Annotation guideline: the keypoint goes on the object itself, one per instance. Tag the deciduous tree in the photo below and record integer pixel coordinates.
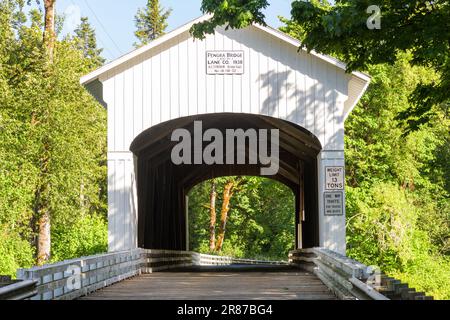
(213, 216)
(227, 194)
(52, 140)
(344, 28)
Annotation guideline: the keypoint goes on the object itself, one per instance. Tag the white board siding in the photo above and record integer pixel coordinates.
(146, 97)
(202, 108)
(170, 81)
(174, 87)
(183, 77)
(210, 85)
(217, 81)
(138, 103)
(122, 213)
(155, 89)
(332, 228)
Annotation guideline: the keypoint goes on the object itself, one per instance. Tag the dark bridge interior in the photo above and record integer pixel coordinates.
(163, 186)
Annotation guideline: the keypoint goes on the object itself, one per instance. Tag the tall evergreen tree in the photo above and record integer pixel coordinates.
(86, 42)
(151, 22)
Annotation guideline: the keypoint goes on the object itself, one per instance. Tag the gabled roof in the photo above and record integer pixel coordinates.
(274, 32)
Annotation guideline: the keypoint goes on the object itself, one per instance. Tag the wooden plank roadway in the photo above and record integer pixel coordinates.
(219, 283)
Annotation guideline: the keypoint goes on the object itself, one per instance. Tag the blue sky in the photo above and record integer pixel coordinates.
(114, 20)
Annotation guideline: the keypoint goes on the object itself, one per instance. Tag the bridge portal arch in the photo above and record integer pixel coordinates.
(162, 186)
(253, 71)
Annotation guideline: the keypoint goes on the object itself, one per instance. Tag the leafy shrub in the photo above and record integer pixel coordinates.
(15, 253)
(88, 235)
(385, 229)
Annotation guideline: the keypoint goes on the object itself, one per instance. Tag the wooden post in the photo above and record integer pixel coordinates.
(301, 207)
(187, 222)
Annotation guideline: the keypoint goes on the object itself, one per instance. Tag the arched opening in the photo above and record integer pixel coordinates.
(162, 186)
(255, 221)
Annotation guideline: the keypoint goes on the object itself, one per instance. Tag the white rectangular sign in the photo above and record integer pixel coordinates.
(334, 203)
(224, 62)
(334, 178)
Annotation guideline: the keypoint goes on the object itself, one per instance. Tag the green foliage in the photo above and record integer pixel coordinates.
(232, 13)
(420, 27)
(397, 185)
(15, 252)
(87, 236)
(421, 273)
(340, 28)
(261, 221)
(151, 22)
(45, 112)
(385, 228)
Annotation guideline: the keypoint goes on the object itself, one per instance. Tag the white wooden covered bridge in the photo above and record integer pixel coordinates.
(254, 78)
(168, 84)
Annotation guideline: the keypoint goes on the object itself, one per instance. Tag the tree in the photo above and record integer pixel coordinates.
(345, 29)
(227, 194)
(47, 117)
(16, 186)
(151, 22)
(86, 42)
(397, 198)
(50, 28)
(212, 210)
(42, 202)
(260, 222)
(235, 14)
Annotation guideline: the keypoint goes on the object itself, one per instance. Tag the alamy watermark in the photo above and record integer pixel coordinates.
(230, 149)
(374, 21)
(74, 279)
(373, 276)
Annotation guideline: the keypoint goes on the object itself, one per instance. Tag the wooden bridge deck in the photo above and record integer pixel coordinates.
(220, 283)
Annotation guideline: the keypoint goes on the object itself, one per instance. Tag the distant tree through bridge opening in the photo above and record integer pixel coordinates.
(258, 223)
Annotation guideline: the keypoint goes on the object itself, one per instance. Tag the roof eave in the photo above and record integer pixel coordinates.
(135, 53)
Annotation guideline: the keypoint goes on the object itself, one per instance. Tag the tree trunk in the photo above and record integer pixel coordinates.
(42, 210)
(44, 240)
(49, 31)
(42, 195)
(227, 194)
(212, 212)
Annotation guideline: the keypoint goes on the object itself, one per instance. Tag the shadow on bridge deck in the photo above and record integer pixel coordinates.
(235, 282)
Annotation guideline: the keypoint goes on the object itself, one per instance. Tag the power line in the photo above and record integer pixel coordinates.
(103, 27)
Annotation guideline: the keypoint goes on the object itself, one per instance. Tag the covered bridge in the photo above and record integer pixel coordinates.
(254, 78)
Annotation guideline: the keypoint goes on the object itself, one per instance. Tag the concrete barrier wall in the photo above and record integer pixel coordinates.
(350, 279)
(211, 260)
(71, 279)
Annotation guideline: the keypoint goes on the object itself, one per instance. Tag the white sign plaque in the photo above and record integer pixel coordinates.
(224, 62)
(334, 178)
(334, 203)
